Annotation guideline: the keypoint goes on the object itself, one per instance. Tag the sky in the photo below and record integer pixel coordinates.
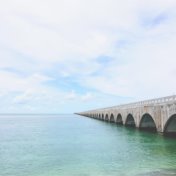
(65, 56)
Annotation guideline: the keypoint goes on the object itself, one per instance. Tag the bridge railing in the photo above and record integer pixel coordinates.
(152, 102)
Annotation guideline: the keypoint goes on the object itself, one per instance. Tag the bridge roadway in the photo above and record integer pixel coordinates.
(158, 115)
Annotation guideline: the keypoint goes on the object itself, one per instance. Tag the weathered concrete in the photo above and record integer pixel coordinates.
(156, 114)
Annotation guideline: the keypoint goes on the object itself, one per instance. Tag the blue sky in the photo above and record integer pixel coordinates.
(64, 56)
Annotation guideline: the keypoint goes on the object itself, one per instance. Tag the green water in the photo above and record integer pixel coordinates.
(70, 145)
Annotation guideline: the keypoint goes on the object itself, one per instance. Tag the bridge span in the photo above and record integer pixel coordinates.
(157, 115)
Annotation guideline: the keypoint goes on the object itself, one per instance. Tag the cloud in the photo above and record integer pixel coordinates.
(71, 96)
(55, 54)
(87, 97)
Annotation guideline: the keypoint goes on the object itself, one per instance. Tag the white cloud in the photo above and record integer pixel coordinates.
(87, 97)
(12, 82)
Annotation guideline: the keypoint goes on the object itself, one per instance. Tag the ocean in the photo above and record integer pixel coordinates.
(71, 145)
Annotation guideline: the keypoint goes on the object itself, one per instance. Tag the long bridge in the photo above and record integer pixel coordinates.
(158, 115)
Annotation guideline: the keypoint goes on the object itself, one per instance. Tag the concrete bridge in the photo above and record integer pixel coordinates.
(158, 115)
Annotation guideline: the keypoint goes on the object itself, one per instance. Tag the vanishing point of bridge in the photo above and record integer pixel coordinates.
(158, 115)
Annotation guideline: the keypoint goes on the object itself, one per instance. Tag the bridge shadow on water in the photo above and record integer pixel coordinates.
(146, 130)
(170, 135)
(132, 129)
(162, 172)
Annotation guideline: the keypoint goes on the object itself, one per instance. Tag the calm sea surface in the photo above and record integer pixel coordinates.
(70, 145)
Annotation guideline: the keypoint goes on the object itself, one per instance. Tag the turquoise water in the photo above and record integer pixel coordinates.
(70, 145)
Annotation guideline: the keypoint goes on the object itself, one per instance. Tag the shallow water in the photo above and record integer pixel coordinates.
(70, 145)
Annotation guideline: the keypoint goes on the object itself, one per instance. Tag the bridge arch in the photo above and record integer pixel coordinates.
(170, 126)
(147, 123)
(119, 119)
(106, 117)
(130, 121)
(112, 119)
(99, 116)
